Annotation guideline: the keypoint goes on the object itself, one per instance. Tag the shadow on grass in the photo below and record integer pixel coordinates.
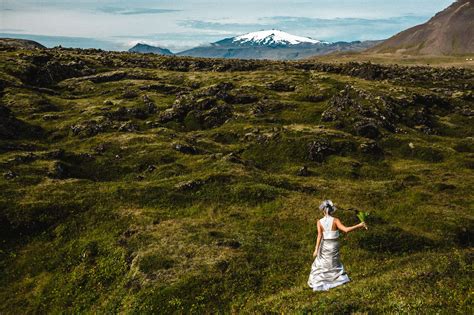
(393, 240)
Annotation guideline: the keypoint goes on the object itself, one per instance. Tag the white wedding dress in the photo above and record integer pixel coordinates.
(327, 271)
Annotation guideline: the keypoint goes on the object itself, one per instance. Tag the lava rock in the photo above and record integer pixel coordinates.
(150, 168)
(89, 128)
(189, 185)
(367, 129)
(320, 149)
(50, 117)
(241, 99)
(128, 127)
(186, 149)
(280, 87)
(234, 244)
(58, 170)
(303, 171)
(371, 148)
(9, 175)
(129, 94)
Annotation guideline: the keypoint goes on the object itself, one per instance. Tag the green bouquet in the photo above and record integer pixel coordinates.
(362, 215)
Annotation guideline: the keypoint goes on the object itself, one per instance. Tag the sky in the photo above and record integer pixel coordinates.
(183, 24)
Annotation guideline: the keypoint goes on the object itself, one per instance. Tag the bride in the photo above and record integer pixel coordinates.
(327, 271)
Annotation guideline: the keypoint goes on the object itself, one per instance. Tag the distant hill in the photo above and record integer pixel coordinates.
(13, 43)
(449, 32)
(146, 49)
(273, 45)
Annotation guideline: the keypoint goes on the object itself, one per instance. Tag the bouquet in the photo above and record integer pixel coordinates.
(362, 215)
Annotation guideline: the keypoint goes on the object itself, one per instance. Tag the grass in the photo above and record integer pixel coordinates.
(128, 224)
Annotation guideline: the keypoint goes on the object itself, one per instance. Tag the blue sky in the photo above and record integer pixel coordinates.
(182, 24)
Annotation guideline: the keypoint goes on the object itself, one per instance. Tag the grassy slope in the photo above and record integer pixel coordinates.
(401, 59)
(103, 239)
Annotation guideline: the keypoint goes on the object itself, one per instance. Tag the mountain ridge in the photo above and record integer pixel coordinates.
(273, 45)
(146, 49)
(450, 31)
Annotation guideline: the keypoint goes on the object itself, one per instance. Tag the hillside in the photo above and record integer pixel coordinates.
(148, 184)
(449, 32)
(13, 43)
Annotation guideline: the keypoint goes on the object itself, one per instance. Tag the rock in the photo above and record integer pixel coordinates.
(371, 147)
(129, 94)
(234, 244)
(50, 117)
(106, 77)
(313, 98)
(189, 185)
(90, 251)
(55, 154)
(303, 171)
(367, 129)
(124, 113)
(186, 149)
(26, 158)
(218, 88)
(100, 148)
(89, 128)
(13, 128)
(443, 187)
(150, 168)
(280, 86)
(108, 103)
(320, 149)
(222, 265)
(197, 113)
(241, 99)
(465, 111)
(268, 106)
(128, 127)
(46, 72)
(151, 108)
(57, 171)
(9, 175)
(361, 113)
(162, 88)
(233, 158)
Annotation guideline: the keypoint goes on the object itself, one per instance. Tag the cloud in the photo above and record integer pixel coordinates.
(135, 11)
(215, 25)
(336, 29)
(13, 30)
(175, 41)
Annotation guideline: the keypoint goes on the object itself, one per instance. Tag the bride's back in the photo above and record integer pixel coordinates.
(327, 224)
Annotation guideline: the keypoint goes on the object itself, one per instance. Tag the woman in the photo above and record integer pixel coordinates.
(327, 271)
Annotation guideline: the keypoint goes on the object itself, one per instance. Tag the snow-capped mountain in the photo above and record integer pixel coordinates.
(272, 44)
(268, 38)
(268, 44)
(272, 38)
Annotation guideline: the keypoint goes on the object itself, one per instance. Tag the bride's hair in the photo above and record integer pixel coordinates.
(327, 207)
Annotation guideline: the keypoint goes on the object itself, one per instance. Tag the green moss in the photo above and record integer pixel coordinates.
(129, 224)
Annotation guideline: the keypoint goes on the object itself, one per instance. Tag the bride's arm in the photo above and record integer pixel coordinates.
(318, 241)
(347, 229)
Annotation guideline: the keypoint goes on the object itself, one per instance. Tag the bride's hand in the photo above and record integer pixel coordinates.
(315, 254)
(364, 225)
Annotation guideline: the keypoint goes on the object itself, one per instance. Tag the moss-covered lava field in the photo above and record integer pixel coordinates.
(144, 184)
